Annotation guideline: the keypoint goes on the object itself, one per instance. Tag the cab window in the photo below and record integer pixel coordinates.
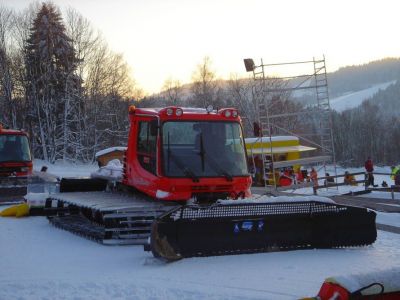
(147, 145)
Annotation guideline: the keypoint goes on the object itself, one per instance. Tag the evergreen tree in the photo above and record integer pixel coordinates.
(52, 91)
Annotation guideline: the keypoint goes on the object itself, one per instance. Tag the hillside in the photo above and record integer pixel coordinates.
(356, 78)
(348, 87)
(354, 99)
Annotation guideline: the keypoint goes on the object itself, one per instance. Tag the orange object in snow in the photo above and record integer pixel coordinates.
(380, 285)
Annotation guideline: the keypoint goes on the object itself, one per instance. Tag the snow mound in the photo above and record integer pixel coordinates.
(271, 199)
(45, 176)
(112, 171)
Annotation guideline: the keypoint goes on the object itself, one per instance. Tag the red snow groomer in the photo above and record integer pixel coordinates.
(15, 163)
(175, 154)
(184, 178)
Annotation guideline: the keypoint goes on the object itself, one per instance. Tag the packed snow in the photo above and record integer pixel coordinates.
(111, 171)
(39, 261)
(65, 169)
(42, 262)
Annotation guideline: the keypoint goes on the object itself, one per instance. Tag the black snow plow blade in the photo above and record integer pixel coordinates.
(223, 229)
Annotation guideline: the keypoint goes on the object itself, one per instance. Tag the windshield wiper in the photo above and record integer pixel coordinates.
(227, 175)
(190, 174)
(187, 171)
(202, 152)
(214, 165)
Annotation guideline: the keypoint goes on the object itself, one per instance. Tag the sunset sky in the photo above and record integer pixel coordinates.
(168, 38)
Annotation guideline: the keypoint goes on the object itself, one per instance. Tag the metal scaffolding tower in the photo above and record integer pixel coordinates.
(314, 80)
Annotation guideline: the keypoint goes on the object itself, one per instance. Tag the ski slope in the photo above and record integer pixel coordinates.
(354, 99)
(38, 261)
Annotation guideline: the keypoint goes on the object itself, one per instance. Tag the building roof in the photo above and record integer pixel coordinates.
(278, 150)
(109, 150)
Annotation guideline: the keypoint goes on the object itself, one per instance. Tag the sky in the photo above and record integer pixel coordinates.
(163, 39)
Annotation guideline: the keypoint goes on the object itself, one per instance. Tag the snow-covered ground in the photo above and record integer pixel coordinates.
(38, 261)
(351, 100)
(62, 169)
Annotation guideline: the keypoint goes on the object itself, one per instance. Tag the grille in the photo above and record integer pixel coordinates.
(212, 188)
(6, 171)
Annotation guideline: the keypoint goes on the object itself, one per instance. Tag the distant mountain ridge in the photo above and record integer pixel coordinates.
(353, 99)
(360, 77)
(348, 87)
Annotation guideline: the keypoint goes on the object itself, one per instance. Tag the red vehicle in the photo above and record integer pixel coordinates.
(15, 162)
(180, 153)
(177, 154)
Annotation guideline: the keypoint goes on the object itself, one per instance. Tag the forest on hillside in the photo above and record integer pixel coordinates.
(372, 129)
(355, 78)
(61, 82)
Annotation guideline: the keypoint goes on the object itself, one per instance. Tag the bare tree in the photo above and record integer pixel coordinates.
(172, 88)
(107, 86)
(240, 91)
(204, 85)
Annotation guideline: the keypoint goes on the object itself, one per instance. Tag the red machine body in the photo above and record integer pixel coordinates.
(173, 154)
(15, 155)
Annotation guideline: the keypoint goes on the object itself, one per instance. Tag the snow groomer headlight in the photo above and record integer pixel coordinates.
(178, 112)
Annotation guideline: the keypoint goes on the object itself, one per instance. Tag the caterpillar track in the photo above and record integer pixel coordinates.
(12, 188)
(173, 231)
(106, 217)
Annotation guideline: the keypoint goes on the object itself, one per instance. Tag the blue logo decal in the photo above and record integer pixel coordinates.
(236, 228)
(260, 225)
(247, 225)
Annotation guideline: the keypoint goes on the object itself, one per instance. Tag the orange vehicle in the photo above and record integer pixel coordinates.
(15, 163)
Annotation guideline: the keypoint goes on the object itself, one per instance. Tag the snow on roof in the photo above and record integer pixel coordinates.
(266, 139)
(156, 110)
(108, 150)
(270, 199)
(287, 149)
(390, 278)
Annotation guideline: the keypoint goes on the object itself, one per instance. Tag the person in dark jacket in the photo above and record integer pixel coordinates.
(369, 168)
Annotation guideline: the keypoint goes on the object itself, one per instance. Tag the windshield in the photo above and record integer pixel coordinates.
(14, 148)
(203, 149)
